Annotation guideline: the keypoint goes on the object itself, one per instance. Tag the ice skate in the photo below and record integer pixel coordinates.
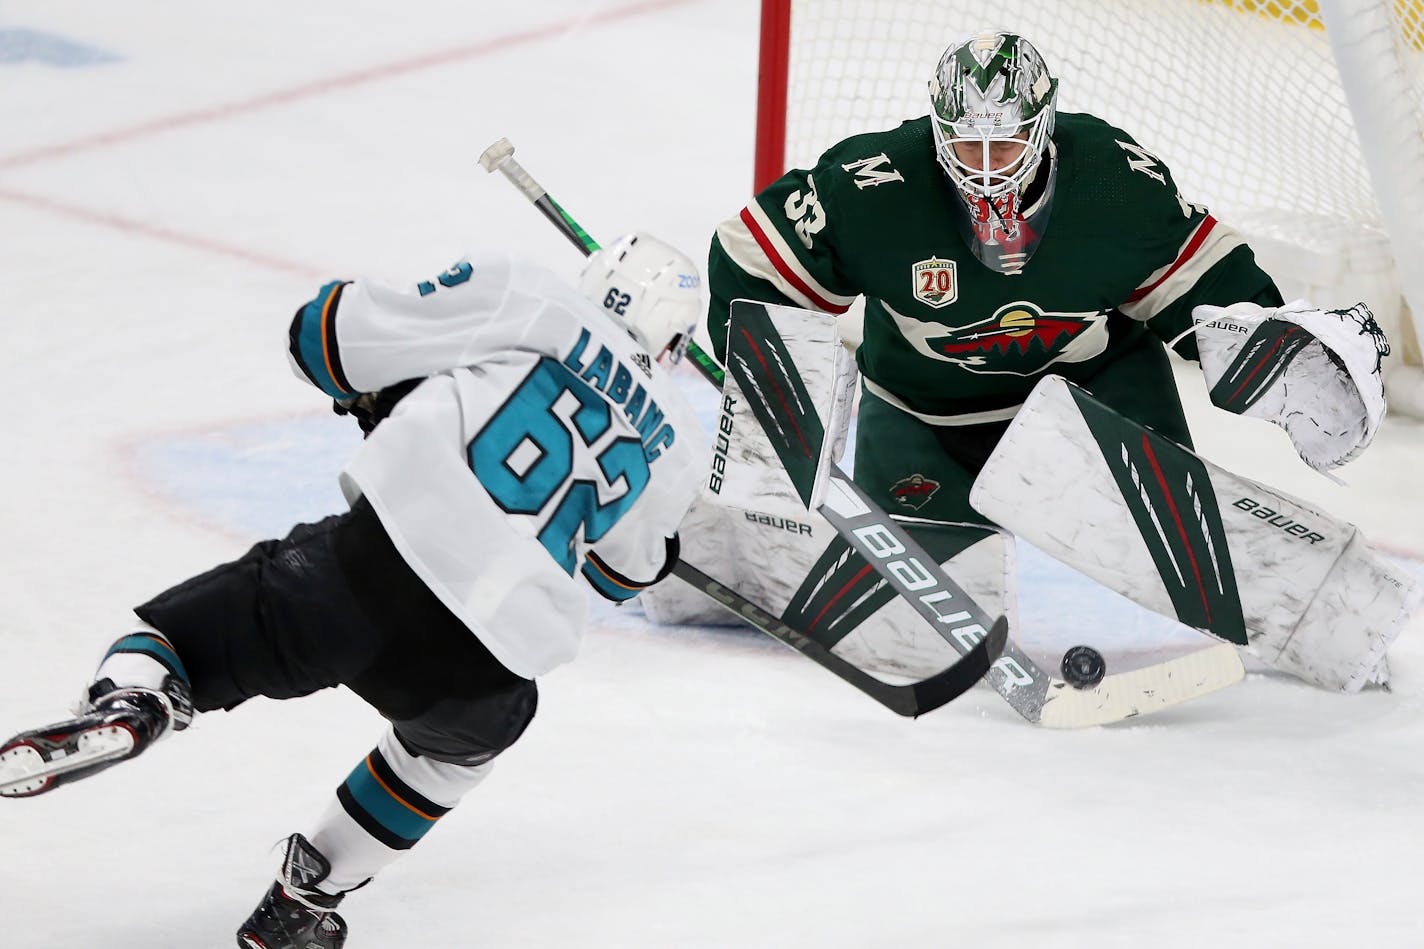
(113, 725)
(295, 914)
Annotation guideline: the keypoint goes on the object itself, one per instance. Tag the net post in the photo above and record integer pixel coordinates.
(771, 92)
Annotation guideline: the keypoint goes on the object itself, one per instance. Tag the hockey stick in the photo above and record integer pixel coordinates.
(1035, 694)
(500, 157)
(911, 699)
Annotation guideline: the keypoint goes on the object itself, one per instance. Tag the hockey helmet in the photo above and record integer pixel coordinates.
(993, 104)
(649, 286)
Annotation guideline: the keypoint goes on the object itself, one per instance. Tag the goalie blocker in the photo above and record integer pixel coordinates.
(1299, 589)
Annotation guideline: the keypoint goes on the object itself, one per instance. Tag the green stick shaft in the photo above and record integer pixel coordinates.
(500, 156)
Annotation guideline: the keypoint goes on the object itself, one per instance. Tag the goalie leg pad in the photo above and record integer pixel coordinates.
(1151, 520)
(1362, 591)
(712, 539)
(804, 573)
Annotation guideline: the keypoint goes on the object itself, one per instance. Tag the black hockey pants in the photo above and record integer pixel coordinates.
(333, 603)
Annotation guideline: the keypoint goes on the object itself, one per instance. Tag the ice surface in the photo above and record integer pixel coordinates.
(168, 204)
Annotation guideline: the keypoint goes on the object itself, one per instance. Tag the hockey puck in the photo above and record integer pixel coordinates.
(1083, 667)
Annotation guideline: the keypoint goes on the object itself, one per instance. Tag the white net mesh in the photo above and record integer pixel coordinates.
(1240, 98)
(1246, 107)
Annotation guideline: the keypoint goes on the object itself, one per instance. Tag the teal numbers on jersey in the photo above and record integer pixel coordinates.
(524, 457)
(453, 277)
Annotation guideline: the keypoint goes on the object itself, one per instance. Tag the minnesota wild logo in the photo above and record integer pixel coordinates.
(1020, 339)
(915, 491)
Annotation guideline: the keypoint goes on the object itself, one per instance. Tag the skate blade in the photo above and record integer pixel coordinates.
(32, 764)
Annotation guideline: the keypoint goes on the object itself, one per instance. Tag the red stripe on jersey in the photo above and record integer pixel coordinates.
(1192, 247)
(783, 268)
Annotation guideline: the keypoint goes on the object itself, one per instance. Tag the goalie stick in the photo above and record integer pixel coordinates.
(1037, 695)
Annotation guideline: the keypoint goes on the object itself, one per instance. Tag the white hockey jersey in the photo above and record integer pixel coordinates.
(543, 444)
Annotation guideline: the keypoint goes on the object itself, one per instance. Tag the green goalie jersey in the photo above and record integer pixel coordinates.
(946, 338)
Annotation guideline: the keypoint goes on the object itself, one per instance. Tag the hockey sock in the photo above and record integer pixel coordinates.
(388, 802)
(143, 659)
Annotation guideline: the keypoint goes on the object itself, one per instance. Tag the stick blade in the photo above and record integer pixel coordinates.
(911, 699)
(1143, 691)
(944, 687)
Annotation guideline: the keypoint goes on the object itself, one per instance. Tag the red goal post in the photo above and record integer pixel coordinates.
(1299, 122)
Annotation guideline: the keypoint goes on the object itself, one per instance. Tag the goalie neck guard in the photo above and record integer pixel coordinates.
(993, 104)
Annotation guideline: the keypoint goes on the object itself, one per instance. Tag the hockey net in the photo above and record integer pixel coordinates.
(1299, 122)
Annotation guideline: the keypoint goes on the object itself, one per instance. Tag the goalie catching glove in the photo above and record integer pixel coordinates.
(1315, 373)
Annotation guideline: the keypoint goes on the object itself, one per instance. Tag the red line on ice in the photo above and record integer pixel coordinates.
(269, 100)
(159, 233)
(323, 86)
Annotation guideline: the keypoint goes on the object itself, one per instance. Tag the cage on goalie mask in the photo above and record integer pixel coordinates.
(650, 287)
(993, 96)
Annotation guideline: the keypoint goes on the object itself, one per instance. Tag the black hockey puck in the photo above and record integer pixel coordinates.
(1083, 667)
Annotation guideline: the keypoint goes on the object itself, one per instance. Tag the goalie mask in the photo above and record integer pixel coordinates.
(650, 287)
(993, 104)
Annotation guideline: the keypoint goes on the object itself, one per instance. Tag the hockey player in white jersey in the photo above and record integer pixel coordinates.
(523, 441)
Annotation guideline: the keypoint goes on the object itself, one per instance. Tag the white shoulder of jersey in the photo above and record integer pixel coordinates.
(477, 308)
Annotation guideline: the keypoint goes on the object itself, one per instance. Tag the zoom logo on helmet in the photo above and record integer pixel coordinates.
(993, 104)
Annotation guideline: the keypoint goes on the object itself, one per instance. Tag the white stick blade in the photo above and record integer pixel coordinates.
(1144, 691)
